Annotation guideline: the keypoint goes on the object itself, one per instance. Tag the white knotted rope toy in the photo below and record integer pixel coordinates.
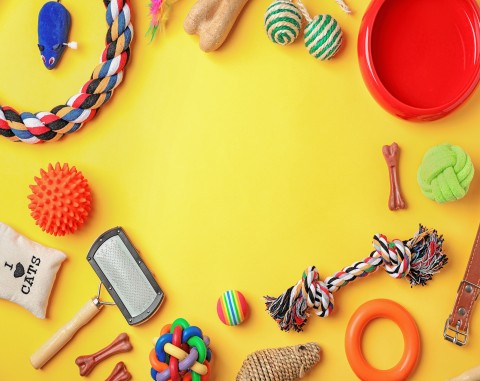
(416, 259)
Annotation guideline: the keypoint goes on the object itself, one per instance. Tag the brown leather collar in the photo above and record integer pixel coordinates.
(456, 326)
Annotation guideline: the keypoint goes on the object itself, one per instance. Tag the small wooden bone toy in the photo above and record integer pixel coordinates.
(120, 373)
(119, 345)
(286, 364)
(391, 153)
(212, 20)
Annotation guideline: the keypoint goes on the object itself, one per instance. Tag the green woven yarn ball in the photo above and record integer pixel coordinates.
(323, 37)
(445, 173)
(282, 22)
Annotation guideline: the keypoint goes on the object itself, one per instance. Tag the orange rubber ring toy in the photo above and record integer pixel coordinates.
(388, 309)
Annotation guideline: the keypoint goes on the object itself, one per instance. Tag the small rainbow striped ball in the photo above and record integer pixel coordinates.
(323, 37)
(232, 308)
(283, 21)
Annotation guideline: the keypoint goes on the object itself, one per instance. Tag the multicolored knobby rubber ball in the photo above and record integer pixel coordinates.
(60, 200)
(323, 37)
(445, 173)
(283, 21)
(181, 353)
(232, 308)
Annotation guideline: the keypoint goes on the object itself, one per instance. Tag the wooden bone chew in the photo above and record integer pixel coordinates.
(391, 153)
(120, 373)
(212, 20)
(88, 362)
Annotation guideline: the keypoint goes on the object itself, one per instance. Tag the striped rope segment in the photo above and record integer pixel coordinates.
(283, 21)
(323, 37)
(418, 259)
(82, 107)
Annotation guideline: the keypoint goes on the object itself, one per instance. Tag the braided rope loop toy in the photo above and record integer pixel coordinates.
(82, 107)
(417, 259)
(181, 353)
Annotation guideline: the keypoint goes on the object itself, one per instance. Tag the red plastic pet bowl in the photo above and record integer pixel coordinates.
(420, 59)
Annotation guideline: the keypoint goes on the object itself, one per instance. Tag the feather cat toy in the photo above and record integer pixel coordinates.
(53, 28)
(159, 12)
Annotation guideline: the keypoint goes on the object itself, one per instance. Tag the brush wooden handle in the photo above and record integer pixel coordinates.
(56, 342)
(470, 375)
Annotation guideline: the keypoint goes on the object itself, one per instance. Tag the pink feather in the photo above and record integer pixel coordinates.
(156, 12)
(159, 11)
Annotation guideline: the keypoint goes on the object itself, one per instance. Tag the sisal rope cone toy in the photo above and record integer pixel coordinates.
(60, 201)
(416, 259)
(285, 364)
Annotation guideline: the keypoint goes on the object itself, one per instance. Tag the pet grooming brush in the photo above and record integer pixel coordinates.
(128, 281)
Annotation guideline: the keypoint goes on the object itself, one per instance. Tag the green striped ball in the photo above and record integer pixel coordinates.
(283, 20)
(323, 37)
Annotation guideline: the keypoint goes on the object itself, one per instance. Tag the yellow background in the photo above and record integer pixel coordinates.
(230, 170)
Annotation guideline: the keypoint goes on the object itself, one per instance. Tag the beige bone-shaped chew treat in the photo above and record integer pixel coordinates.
(212, 20)
(391, 153)
(120, 373)
(88, 362)
(470, 375)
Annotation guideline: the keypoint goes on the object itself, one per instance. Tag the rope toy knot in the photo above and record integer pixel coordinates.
(445, 173)
(181, 353)
(316, 292)
(395, 255)
(291, 308)
(416, 259)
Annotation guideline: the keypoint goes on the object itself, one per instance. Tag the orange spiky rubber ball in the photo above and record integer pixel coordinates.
(60, 200)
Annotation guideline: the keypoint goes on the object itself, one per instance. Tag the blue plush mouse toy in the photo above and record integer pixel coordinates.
(53, 28)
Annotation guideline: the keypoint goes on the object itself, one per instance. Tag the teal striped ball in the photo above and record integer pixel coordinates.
(323, 37)
(283, 20)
